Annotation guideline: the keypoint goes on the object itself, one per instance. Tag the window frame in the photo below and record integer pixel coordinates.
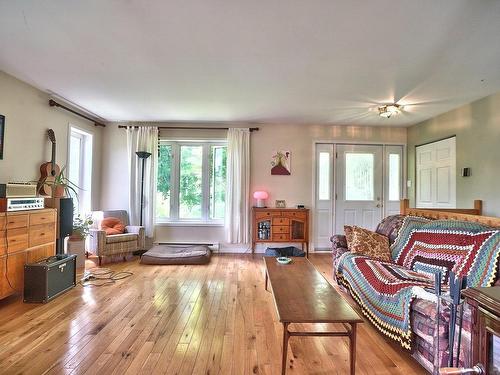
(83, 204)
(174, 219)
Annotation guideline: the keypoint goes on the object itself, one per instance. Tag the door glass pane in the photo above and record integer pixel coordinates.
(359, 183)
(394, 177)
(190, 191)
(163, 190)
(324, 176)
(218, 182)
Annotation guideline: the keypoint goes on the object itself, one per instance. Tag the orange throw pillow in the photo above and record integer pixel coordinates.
(112, 225)
(365, 242)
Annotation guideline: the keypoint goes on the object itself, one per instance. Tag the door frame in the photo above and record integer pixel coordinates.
(404, 184)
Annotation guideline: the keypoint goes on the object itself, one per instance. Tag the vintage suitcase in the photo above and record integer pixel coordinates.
(48, 278)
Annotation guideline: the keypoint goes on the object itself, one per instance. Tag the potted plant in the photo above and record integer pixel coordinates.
(60, 185)
(76, 242)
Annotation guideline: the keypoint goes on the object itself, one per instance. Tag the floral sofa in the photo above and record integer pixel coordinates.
(398, 298)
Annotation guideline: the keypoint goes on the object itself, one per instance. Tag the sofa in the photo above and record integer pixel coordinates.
(102, 244)
(398, 298)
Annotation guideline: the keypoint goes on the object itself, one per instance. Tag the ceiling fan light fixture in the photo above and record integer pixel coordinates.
(388, 110)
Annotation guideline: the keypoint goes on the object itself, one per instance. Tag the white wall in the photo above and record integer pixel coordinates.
(295, 189)
(27, 118)
(477, 129)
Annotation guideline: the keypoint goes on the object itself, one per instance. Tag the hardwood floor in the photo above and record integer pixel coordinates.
(214, 319)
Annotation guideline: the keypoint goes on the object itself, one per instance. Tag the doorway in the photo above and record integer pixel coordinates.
(356, 184)
(436, 180)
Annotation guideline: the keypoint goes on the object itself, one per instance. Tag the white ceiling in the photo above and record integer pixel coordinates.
(299, 61)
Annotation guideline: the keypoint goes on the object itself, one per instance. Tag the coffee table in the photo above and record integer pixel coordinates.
(302, 295)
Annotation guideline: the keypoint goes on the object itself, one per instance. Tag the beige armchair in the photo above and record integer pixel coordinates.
(123, 244)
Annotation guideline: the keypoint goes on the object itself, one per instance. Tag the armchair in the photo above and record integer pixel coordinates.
(102, 244)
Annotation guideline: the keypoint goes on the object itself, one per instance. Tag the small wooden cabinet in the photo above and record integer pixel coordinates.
(280, 225)
(25, 237)
(485, 304)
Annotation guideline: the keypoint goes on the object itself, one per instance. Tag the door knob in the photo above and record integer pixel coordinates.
(378, 205)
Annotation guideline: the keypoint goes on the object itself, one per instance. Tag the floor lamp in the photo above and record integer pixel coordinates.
(143, 155)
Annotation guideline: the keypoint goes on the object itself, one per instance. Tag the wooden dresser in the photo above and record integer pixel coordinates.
(280, 225)
(25, 237)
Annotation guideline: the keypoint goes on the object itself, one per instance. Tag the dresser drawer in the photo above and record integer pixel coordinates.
(42, 218)
(281, 237)
(281, 221)
(17, 239)
(41, 234)
(17, 221)
(267, 214)
(281, 229)
(295, 215)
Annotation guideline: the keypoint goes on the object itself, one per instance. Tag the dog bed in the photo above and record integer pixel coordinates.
(164, 254)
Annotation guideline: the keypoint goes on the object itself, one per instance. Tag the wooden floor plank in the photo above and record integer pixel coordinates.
(212, 319)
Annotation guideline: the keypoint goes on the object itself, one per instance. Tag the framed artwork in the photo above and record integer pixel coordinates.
(2, 134)
(280, 163)
(280, 204)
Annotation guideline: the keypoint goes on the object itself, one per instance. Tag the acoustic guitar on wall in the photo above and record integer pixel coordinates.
(49, 170)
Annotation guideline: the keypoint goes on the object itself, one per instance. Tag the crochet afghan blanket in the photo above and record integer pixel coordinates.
(384, 292)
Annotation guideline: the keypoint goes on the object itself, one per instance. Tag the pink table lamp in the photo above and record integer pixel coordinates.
(261, 197)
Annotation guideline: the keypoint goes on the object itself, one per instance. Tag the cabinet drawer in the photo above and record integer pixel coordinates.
(295, 215)
(3, 221)
(17, 239)
(281, 237)
(41, 234)
(281, 229)
(42, 218)
(281, 221)
(267, 214)
(17, 221)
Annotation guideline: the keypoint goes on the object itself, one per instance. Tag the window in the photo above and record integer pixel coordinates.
(394, 177)
(324, 176)
(359, 177)
(191, 182)
(80, 168)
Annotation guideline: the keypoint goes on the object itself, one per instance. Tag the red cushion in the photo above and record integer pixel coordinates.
(112, 225)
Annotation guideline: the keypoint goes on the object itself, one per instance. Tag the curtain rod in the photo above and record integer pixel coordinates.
(53, 103)
(188, 128)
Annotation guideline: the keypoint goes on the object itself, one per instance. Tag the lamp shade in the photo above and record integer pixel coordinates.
(260, 195)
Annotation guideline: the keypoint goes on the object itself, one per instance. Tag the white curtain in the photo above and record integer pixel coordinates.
(238, 186)
(142, 138)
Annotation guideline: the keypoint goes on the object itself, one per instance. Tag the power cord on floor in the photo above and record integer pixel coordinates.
(97, 276)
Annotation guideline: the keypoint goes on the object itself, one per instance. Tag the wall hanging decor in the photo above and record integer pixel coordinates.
(2, 134)
(280, 164)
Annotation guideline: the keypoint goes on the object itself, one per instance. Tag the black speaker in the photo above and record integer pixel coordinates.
(49, 278)
(64, 208)
(65, 217)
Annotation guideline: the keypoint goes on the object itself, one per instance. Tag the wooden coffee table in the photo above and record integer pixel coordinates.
(303, 295)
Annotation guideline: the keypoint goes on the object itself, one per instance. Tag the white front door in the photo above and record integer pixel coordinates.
(436, 174)
(359, 189)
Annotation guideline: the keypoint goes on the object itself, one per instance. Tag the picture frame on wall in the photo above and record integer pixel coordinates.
(2, 134)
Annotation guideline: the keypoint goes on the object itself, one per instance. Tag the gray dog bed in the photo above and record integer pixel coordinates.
(164, 254)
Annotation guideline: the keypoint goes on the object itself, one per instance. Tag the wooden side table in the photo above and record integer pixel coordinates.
(281, 225)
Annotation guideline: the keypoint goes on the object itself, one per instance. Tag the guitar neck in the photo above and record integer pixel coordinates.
(53, 159)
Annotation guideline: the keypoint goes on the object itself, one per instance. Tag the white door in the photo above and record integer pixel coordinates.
(436, 174)
(358, 186)
(323, 215)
